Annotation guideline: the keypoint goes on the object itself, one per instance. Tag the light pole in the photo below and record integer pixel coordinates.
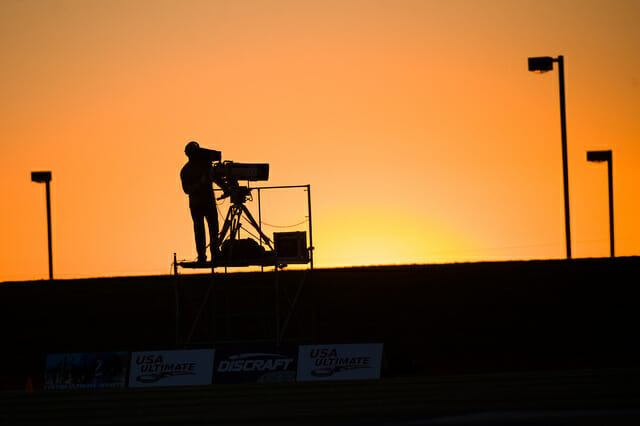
(45, 177)
(541, 65)
(597, 157)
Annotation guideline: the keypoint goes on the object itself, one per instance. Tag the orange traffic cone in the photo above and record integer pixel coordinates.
(29, 386)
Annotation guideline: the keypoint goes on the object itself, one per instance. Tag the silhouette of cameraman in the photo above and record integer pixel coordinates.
(196, 182)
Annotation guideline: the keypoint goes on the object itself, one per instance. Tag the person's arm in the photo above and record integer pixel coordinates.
(190, 181)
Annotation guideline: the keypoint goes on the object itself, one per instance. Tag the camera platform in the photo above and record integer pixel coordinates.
(285, 248)
(290, 248)
(267, 260)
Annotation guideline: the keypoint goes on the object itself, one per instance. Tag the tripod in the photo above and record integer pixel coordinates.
(232, 223)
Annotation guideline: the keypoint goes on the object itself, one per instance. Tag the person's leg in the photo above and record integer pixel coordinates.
(198, 230)
(212, 223)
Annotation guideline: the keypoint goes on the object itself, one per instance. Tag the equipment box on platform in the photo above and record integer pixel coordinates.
(291, 247)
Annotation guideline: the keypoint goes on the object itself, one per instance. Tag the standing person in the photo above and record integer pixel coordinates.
(196, 182)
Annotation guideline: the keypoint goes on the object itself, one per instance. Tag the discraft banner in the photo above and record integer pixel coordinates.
(339, 362)
(255, 365)
(171, 368)
(94, 370)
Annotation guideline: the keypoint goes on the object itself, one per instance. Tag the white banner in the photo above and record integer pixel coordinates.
(171, 368)
(339, 362)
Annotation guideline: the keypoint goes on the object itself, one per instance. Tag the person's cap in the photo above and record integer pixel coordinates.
(191, 148)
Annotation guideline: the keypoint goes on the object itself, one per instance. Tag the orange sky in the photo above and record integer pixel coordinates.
(417, 124)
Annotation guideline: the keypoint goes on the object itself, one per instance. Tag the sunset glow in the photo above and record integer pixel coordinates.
(417, 124)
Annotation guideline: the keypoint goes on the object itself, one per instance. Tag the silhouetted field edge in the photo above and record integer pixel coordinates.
(523, 315)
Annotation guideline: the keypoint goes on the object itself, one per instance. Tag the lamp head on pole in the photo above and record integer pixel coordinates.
(41, 177)
(598, 156)
(541, 64)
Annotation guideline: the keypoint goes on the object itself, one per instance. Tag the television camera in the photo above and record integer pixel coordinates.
(226, 175)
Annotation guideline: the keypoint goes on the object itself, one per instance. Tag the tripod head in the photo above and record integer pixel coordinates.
(227, 174)
(238, 194)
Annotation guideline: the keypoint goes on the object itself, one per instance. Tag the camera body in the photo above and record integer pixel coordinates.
(226, 174)
(209, 155)
(230, 171)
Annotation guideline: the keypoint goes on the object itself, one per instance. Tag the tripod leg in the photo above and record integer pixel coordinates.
(235, 225)
(256, 226)
(227, 224)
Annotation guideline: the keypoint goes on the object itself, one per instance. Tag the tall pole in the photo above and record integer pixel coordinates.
(611, 243)
(312, 290)
(45, 177)
(49, 230)
(310, 226)
(597, 157)
(565, 172)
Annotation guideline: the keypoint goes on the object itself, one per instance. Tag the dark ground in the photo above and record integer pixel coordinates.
(603, 397)
(537, 335)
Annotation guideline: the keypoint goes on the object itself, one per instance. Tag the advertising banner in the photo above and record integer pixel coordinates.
(171, 368)
(94, 370)
(339, 362)
(255, 365)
